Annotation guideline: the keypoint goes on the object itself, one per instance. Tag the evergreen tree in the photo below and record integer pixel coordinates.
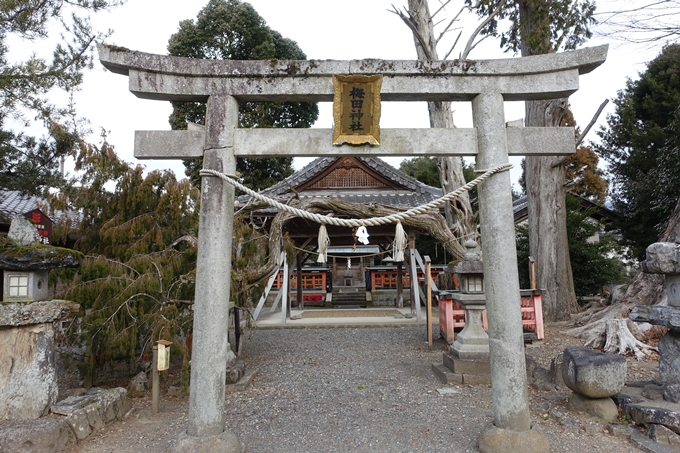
(139, 239)
(29, 163)
(593, 256)
(232, 30)
(640, 145)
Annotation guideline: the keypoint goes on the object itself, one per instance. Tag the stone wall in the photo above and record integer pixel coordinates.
(388, 297)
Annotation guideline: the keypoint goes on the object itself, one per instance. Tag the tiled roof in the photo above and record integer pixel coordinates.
(13, 202)
(414, 193)
(520, 209)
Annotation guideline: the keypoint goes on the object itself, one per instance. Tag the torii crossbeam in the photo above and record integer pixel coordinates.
(484, 83)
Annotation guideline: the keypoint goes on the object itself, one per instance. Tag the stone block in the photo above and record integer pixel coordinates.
(138, 385)
(445, 375)
(174, 391)
(624, 402)
(659, 315)
(593, 374)
(78, 423)
(41, 312)
(644, 443)
(652, 392)
(602, 408)
(242, 383)
(461, 366)
(669, 365)
(646, 415)
(108, 403)
(225, 442)
(36, 436)
(664, 436)
(497, 440)
(71, 404)
(555, 371)
(477, 379)
(621, 431)
(93, 417)
(28, 378)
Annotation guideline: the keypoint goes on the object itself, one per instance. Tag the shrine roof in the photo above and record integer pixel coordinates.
(13, 202)
(600, 213)
(398, 189)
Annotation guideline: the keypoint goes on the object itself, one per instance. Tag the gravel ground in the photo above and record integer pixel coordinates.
(356, 390)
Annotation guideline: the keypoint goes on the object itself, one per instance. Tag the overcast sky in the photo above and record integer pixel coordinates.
(342, 30)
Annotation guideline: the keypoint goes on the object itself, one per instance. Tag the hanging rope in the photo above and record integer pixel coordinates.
(399, 244)
(351, 223)
(324, 243)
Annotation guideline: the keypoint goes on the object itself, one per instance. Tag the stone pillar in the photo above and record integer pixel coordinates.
(506, 344)
(213, 277)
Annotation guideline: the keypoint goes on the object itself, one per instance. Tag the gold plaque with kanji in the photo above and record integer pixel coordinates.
(356, 109)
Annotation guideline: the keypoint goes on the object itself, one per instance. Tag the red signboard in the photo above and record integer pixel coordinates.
(42, 223)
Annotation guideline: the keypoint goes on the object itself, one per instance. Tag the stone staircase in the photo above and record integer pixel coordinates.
(349, 297)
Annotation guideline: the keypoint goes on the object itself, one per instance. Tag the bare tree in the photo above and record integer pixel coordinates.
(417, 17)
(641, 21)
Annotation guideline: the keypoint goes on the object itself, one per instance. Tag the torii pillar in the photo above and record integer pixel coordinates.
(485, 83)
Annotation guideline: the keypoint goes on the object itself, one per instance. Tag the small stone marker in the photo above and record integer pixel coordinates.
(22, 231)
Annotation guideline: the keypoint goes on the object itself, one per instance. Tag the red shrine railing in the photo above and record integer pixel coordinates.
(452, 314)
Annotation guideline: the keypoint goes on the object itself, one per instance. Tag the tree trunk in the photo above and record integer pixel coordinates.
(459, 215)
(545, 183)
(548, 220)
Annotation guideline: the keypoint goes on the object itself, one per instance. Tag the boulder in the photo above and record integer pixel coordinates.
(662, 258)
(602, 408)
(593, 374)
(46, 435)
(138, 385)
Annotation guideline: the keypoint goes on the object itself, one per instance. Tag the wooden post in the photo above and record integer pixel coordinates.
(428, 278)
(298, 259)
(532, 272)
(413, 271)
(400, 286)
(155, 384)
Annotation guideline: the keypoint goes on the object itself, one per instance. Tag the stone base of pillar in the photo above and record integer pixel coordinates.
(497, 440)
(457, 370)
(227, 442)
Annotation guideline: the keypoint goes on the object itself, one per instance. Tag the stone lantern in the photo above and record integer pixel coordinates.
(467, 361)
(29, 386)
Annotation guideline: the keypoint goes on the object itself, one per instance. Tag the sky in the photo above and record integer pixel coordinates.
(341, 30)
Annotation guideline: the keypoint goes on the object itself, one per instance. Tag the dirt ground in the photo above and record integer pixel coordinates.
(142, 431)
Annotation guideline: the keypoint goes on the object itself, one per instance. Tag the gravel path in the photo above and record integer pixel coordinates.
(348, 390)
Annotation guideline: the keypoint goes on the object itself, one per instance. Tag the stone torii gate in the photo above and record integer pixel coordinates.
(222, 84)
